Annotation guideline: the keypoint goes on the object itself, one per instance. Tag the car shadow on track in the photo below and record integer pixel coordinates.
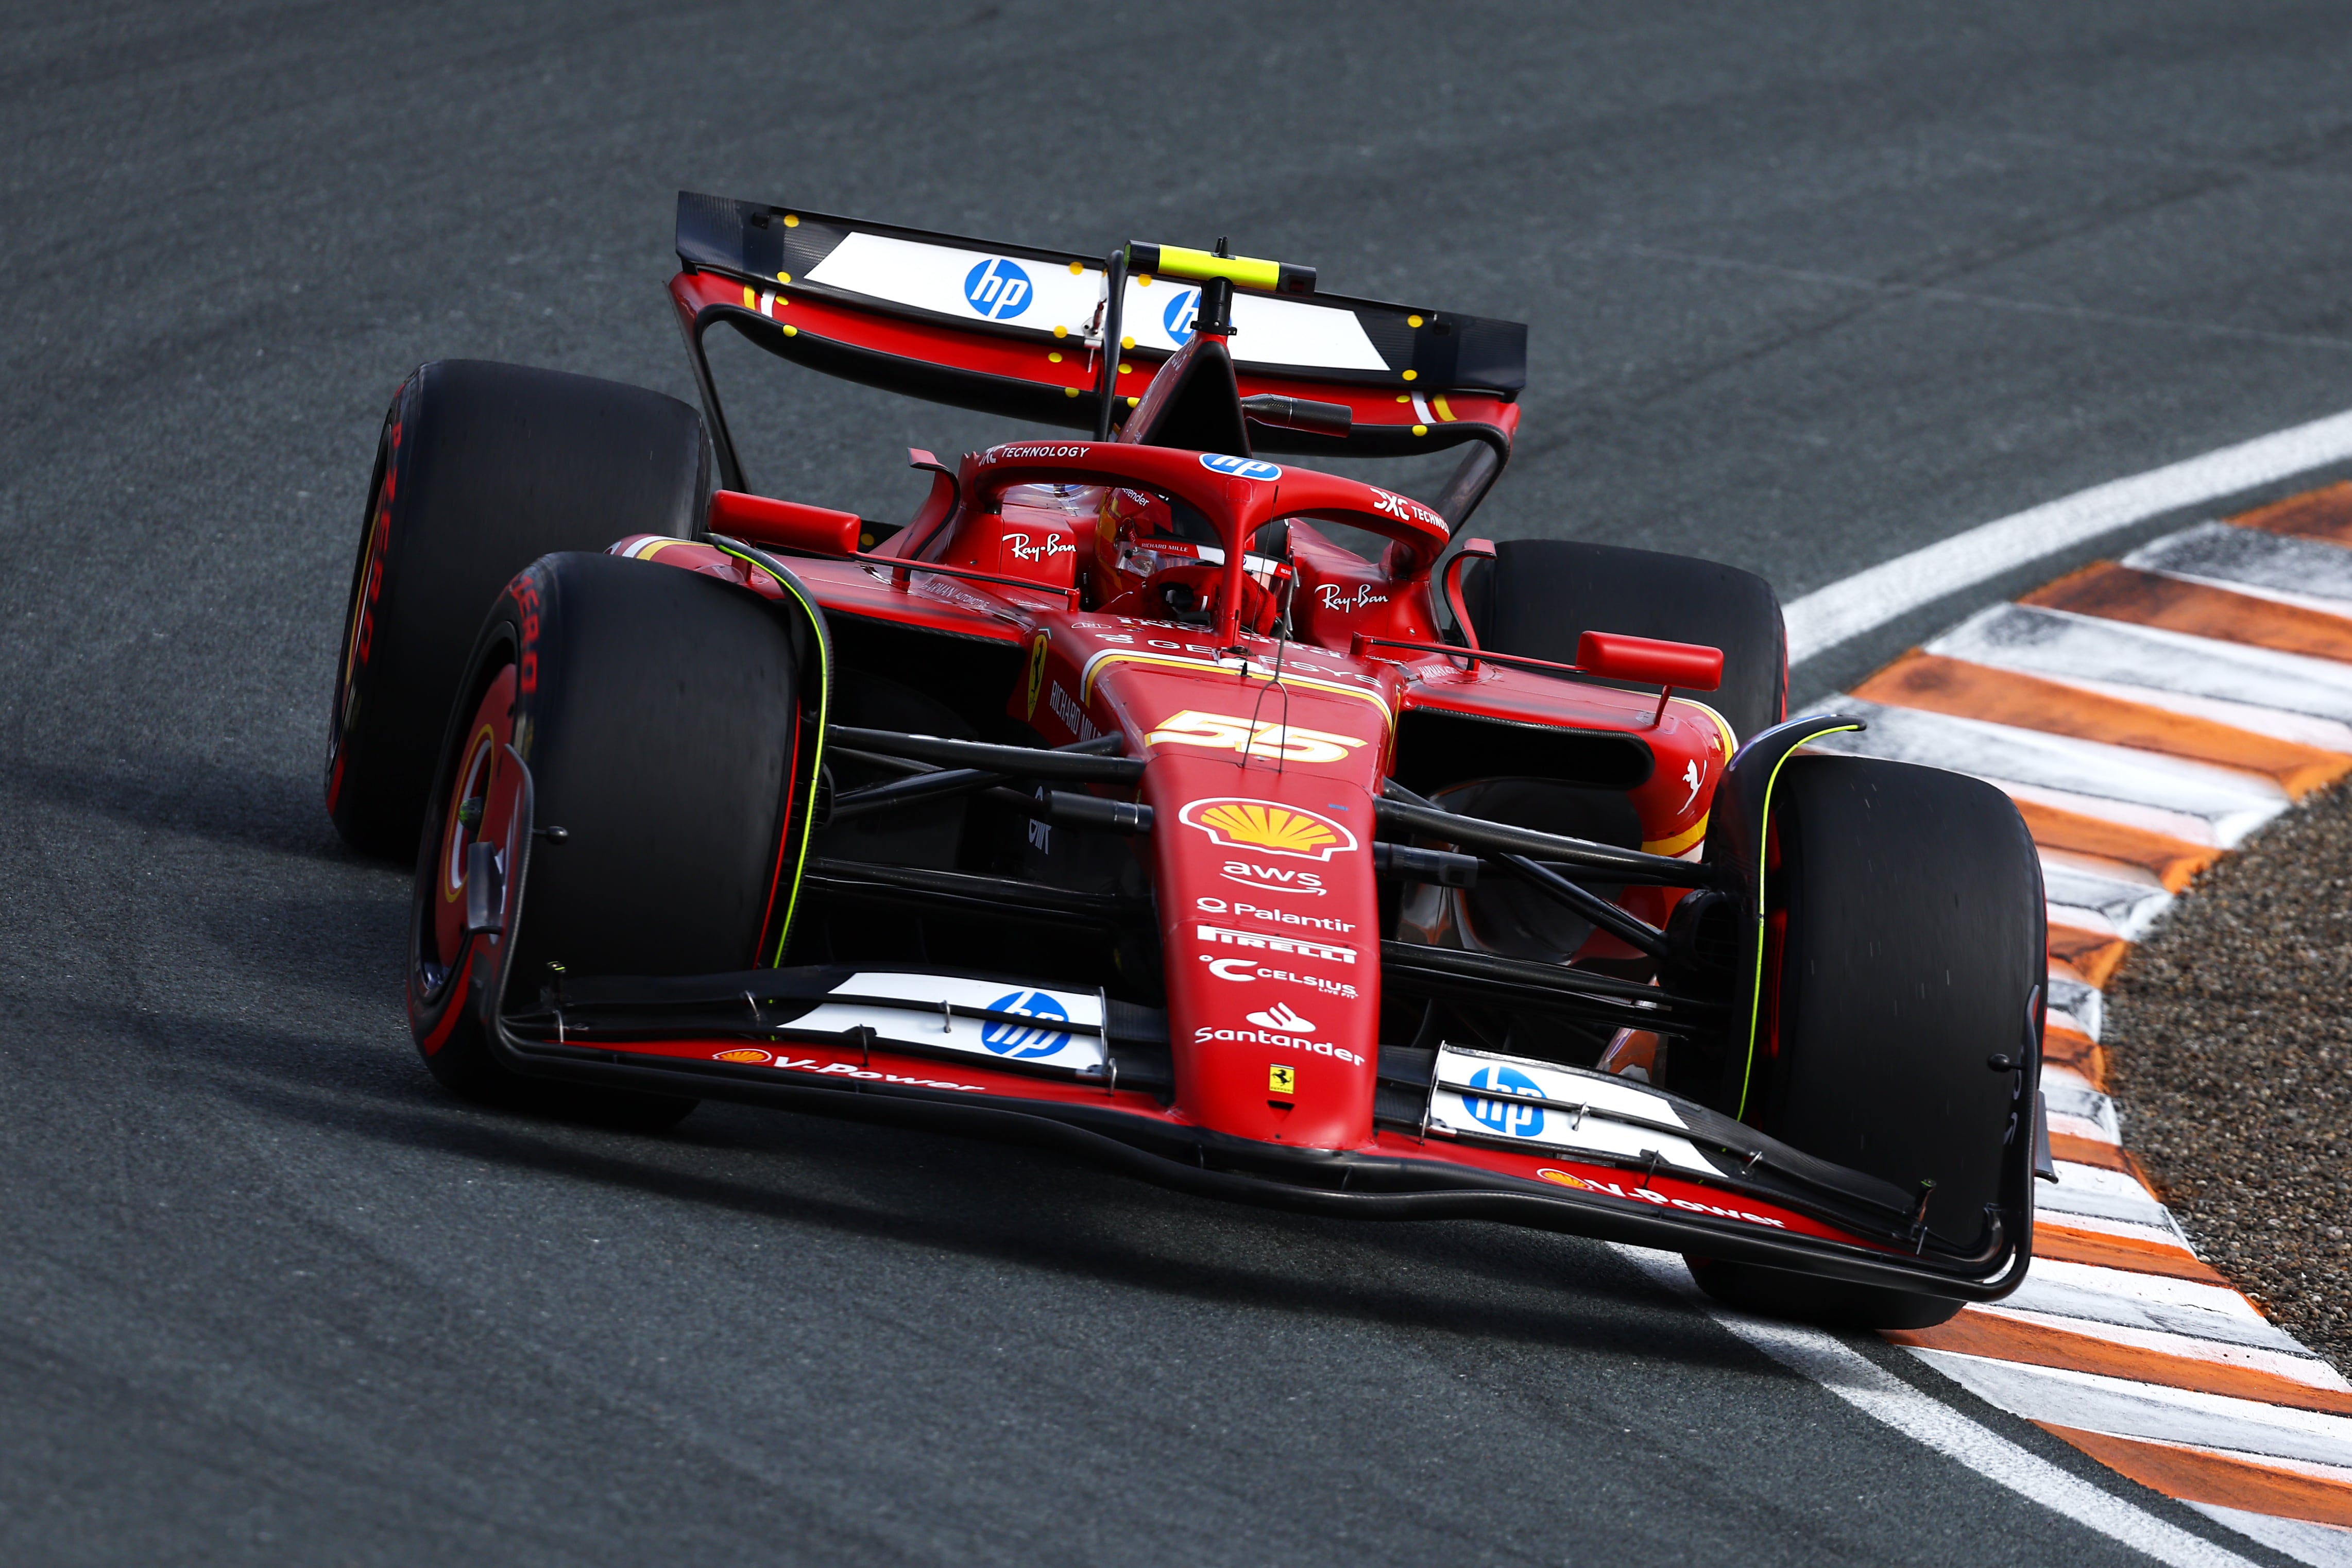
(231, 806)
(1033, 1208)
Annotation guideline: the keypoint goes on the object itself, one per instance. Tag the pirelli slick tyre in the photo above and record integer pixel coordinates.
(1903, 959)
(1541, 595)
(481, 468)
(657, 713)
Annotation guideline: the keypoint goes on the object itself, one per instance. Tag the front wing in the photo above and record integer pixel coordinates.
(1458, 1133)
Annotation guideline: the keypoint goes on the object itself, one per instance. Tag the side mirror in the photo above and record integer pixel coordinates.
(1615, 657)
(814, 530)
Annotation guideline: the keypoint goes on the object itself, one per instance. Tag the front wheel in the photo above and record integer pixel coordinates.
(659, 712)
(1898, 980)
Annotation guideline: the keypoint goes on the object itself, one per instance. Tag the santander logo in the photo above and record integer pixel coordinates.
(1282, 1019)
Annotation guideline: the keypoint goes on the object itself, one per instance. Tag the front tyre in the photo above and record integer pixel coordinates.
(659, 714)
(1903, 958)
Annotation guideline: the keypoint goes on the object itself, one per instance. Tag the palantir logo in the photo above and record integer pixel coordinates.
(1511, 1117)
(1021, 1040)
(1178, 317)
(998, 289)
(1241, 467)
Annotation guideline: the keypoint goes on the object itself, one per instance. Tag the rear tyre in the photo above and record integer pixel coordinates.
(1541, 595)
(658, 712)
(1905, 947)
(481, 468)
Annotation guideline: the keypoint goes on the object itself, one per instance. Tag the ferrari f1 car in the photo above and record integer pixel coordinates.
(1257, 830)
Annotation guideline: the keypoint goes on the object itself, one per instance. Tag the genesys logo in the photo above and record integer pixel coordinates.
(1281, 1040)
(1272, 739)
(1209, 905)
(1240, 467)
(1274, 878)
(1235, 822)
(1248, 971)
(997, 290)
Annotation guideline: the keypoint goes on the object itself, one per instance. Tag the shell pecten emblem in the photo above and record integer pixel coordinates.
(1237, 823)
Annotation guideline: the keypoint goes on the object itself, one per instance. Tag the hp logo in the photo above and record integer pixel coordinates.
(1511, 1117)
(1178, 317)
(998, 290)
(1019, 1041)
(1240, 467)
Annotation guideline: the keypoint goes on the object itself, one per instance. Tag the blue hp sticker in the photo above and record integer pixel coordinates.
(1510, 1118)
(1177, 318)
(1243, 467)
(997, 290)
(1020, 1040)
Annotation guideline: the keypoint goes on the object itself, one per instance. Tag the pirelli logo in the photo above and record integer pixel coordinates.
(1267, 941)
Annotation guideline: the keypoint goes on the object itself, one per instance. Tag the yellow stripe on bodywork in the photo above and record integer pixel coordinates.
(1680, 841)
(1177, 662)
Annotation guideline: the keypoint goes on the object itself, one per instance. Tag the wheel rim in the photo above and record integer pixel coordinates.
(484, 774)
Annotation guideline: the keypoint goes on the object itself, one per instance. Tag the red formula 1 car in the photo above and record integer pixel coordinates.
(1246, 826)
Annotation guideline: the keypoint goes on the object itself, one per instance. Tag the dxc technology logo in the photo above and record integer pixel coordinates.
(1178, 317)
(1511, 1117)
(998, 289)
(1020, 1040)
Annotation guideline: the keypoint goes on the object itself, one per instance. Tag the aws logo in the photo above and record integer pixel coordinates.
(1269, 827)
(1274, 878)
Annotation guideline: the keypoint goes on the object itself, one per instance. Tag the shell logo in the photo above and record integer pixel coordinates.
(1269, 827)
(743, 1054)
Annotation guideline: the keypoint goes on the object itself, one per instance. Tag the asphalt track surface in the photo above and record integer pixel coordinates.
(1806, 292)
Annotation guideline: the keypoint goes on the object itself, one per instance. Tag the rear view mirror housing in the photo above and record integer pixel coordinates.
(1652, 661)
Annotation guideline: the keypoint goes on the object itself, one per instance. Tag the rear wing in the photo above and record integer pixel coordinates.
(1015, 330)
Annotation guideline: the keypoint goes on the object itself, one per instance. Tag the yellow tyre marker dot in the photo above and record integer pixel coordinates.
(1133, 401)
(1413, 321)
(1062, 331)
(791, 332)
(791, 220)
(783, 276)
(1127, 343)
(1143, 279)
(1053, 359)
(1077, 269)
(1412, 374)
(1069, 392)
(1404, 397)
(1421, 429)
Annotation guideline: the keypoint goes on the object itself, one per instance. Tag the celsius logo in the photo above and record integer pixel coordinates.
(1240, 467)
(1177, 318)
(1013, 1039)
(1511, 1117)
(1279, 1016)
(997, 290)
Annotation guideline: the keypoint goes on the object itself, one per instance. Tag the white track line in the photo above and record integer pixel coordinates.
(1880, 1394)
(1828, 616)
